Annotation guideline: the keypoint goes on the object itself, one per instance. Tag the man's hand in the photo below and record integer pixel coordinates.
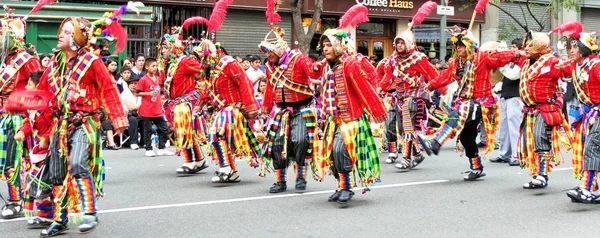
(44, 144)
(251, 114)
(20, 136)
(317, 66)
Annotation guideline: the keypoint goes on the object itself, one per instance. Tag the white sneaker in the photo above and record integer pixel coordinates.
(134, 146)
(165, 152)
(167, 144)
(150, 153)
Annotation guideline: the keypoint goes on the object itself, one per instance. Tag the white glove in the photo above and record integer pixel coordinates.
(511, 71)
(497, 88)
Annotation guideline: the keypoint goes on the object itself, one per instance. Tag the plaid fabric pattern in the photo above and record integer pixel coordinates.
(582, 130)
(400, 68)
(230, 125)
(11, 123)
(580, 81)
(6, 76)
(282, 76)
(362, 149)
(491, 123)
(217, 99)
(169, 77)
(467, 82)
(182, 119)
(329, 103)
(530, 73)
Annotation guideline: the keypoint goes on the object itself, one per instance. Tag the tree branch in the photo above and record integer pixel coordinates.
(524, 16)
(315, 19)
(533, 15)
(296, 6)
(511, 16)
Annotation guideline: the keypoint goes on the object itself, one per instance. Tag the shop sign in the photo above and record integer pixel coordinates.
(398, 4)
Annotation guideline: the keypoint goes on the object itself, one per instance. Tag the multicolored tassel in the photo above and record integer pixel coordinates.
(475, 163)
(45, 208)
(88, 199)
(590, 180)
(445, 132)
(345, 181)
(280, 175)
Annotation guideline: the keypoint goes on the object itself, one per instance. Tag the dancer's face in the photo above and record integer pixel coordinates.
(328, 50)
(64, 38)
(272, 57)
(401, 46)
(461, 51)
(575, 54)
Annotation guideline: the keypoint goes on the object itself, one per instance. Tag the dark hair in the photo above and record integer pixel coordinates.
(123, 60)
(108, 61)
(255, 58)
(518, 42)
(138, 56)
(149, 61)
(35, 76)
(104, 43)
(421, 49)
(43, 56)
(373, 57)
(125, 68)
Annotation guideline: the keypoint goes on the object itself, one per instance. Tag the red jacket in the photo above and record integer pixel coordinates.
(539, 81)
(354, 89)
(297, 73)
(418, 71)
(95, 89)
(184, 80)
(232, 84)
(19, 80)
(485, 63)
(587, 88)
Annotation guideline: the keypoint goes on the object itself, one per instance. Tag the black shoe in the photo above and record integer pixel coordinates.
(38, 223)
(578, 195)
(480, 145)
(56, 228)
(345, 196)
(429, 146)
(417, 159)
(473, 175)
(334, 197)
(514, 163)
(278, 188)
(300, 184)
(498, 160)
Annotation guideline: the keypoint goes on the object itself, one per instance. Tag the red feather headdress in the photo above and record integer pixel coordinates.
(481, 5)
(39, 5)
(423, 12)
(216, 19)
(271, 13)
(110, 25)
(357, 14)
(575, 27)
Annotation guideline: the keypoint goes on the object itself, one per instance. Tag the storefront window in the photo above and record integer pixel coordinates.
(378, 49)
(363, 47)
(371, 29)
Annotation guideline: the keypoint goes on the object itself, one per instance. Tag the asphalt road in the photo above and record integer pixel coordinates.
(145, 198)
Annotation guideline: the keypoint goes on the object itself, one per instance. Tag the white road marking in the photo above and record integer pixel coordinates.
(189, 204)
(562, 169)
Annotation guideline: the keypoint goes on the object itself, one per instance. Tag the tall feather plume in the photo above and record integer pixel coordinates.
(194, 20)
(357, 14)
(218, 15)
(117, 31)
(423, 12)
(575, 27)
(481, 5)
(131, 6)
(39, 5)
(271, 13)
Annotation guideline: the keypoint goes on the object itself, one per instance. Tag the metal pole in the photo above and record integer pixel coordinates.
(443, 34)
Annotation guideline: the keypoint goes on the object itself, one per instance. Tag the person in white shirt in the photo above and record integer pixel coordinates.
(130, 104)
(254, 73)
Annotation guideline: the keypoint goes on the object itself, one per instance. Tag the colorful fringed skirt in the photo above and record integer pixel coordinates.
(350, 147)
(228, 124)
(290, 134)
